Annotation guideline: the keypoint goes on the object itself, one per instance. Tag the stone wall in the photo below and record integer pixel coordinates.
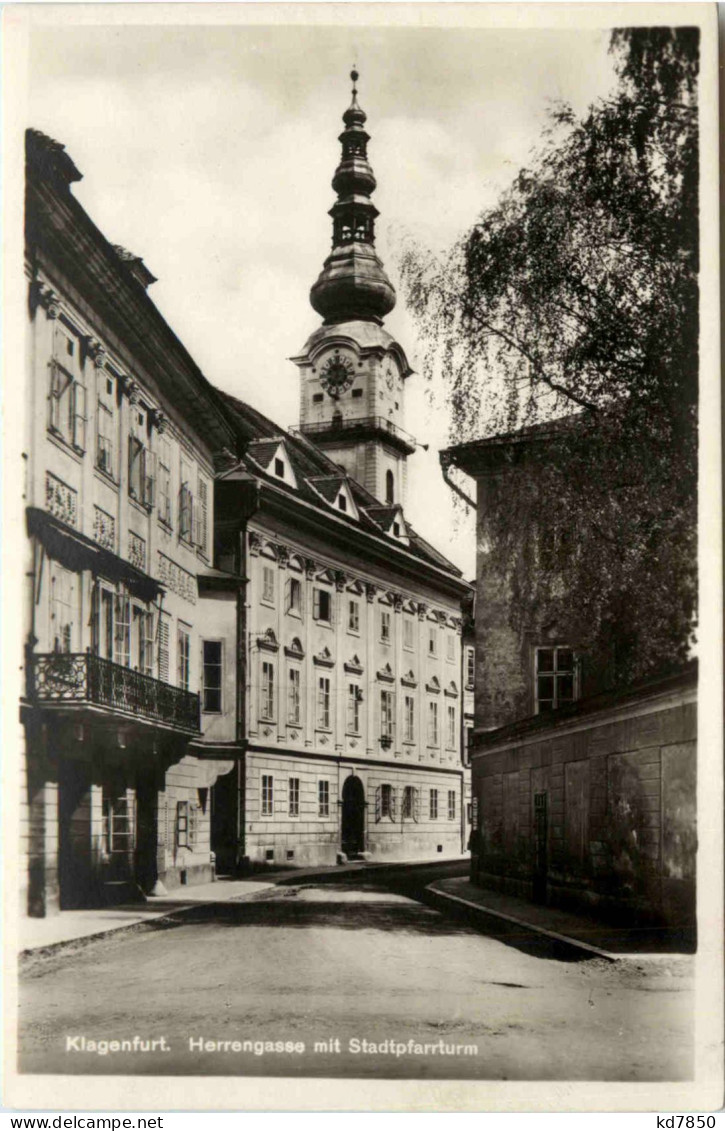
(595, 807)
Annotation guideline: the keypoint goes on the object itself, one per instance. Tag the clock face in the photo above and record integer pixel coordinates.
(338, 374)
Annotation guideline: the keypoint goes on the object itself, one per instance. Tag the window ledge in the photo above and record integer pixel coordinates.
(106, 476)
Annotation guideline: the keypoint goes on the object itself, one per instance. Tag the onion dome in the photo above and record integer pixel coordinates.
(353, 284)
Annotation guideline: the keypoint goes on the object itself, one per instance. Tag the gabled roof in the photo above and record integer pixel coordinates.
(318, 479)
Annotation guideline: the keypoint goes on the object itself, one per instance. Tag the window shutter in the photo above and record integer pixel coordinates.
(316, 599)
(95, 608)
(182, 824)
(79, 416)
(393, 802)
(164, 635)
(378, 803)
(202, 517)
(416, 804)
(149, 477)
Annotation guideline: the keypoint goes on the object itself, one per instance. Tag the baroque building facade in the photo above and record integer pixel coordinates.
(119, 469)
(352, 622)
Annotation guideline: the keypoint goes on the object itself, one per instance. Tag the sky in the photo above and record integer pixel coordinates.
(209, 151)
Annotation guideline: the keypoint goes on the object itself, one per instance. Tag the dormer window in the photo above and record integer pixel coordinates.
(279, 468)
(396, 529)
(342, 502)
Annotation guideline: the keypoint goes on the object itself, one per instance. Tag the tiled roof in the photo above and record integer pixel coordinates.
(316, 475)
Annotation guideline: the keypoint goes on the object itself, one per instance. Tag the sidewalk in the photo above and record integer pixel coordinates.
(518, 920)
(71, 926)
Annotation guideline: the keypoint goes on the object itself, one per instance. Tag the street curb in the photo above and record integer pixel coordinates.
(567, 940)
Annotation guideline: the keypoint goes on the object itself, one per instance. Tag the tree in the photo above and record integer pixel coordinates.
(576, 297)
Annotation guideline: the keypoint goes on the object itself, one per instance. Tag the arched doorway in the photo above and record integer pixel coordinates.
(353, 817)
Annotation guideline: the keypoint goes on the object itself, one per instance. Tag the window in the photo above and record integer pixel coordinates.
(103, 600)
(186, 824)
(450, 646)
(293, 697)
(183, 652)
(164, 481)
(353, 616)
(342, 502)
(432, 640)
(142, 636)
(387, 715)
(279, 468)
(293, 602)
(141, 477)
(267, 808)
(409, 731)
(396, 529)
(389, 487)
(433, 807)
(432, 723)
(354, 696)
(451, 735)
(318, 398)
(323, 702)
(201, 517)
(322, 609)
(164, 639)
(105, 431)
(268, 585)
(357, 393)
(386, 801)
(117, 821)
(556, 682)
(266, 706)
(408, 632)
(212, 676)
(323, 798)
(384, 625)
(293, 797)
(67, 393)
(470, 667)
(186, 503)
(63, 591)
(468, 744)
(408, 802)
(451, 804)
(122, 644)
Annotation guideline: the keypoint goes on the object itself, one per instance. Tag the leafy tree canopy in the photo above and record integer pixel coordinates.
(577, 294)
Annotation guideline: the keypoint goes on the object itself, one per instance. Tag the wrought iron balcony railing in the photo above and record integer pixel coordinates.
(82, 678)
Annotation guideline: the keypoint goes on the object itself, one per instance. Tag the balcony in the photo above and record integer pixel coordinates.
(359, 427)
(81, 679)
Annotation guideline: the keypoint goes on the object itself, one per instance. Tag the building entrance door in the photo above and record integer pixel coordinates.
(541, 840)
(75, 879)
(353, 817)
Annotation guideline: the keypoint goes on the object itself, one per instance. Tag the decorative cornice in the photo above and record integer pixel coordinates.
(451, 691)
(282, 554)
(353, 665)
(268, 641)
(324, 659)
(370, 591)
(422, 610)
(294, 649)
(310, 568)
(386, 674)
(340, 580)
(409, 680)
(434, 686)
(398, 600)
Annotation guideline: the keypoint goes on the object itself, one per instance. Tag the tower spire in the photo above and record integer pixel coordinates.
(353, 284)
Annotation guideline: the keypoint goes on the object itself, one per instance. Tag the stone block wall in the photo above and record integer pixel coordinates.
(614, 785)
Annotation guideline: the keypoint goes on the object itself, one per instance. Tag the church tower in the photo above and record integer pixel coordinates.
(352, 370)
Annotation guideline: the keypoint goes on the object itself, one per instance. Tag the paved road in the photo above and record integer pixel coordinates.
(338, 966)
